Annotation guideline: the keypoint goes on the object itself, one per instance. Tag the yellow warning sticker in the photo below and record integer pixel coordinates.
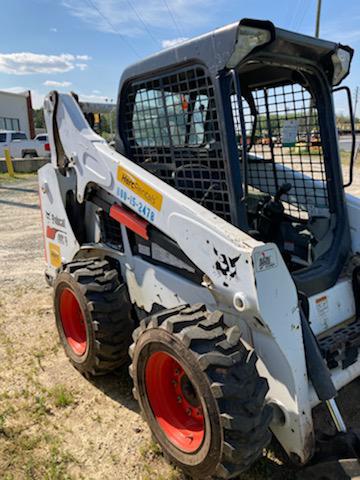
(140, 188)
(55, 255)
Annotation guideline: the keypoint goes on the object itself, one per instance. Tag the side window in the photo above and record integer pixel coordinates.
(15, 124)
(163, 118)
(2, 137)
(197, 130)
(18, 136)
(177, 107)
(149, 119)
(9, 124)
(170, 127)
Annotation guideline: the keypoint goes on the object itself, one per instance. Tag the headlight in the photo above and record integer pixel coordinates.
(341, 62)
(248, 39)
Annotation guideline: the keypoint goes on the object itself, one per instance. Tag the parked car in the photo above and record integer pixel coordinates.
(21, 147)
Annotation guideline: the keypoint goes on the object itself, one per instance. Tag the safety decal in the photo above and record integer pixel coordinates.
(322, 307)
(55, 255)
(140, 188)
(265, 260)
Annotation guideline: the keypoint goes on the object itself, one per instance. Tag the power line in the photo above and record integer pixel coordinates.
(142, 21)
(294, 16)
(124, 39)
(172, 15)
(305, 11)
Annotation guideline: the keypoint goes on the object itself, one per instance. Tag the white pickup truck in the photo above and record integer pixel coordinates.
(21, 147)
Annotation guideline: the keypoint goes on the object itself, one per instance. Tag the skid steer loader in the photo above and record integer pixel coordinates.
(216, 243)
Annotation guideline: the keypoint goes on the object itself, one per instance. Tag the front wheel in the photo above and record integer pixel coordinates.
(200, 392)
(93, 315)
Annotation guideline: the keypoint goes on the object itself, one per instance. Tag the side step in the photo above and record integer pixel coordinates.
(340, 346)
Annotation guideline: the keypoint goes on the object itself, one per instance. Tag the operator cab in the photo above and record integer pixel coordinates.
(242, 121)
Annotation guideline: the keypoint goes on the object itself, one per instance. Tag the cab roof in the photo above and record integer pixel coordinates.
(215, 48)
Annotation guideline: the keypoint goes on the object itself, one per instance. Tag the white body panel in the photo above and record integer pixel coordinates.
(255, 289)
(353, 204)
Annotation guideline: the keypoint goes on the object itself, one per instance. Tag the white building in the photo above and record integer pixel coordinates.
(16, 112)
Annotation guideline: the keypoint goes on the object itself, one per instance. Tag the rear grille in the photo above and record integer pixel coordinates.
(110, 231)
(341, 347)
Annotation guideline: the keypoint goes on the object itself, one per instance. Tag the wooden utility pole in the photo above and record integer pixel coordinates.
(318, 14)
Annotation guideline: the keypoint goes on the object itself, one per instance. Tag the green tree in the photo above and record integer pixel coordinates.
(38, 116)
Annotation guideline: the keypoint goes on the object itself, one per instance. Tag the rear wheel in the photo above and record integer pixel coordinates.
(200, 392)
(29, 155)
(93, 315)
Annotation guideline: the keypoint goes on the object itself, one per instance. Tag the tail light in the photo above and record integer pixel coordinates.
(47, 147)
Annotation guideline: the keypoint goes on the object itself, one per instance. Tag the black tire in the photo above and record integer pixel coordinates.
(105, 308)
(29, 155)
(223, 374)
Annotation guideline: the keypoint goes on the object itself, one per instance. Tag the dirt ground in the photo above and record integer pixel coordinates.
(55, 424)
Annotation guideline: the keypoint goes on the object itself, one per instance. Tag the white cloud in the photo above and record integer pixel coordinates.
(172, 42)
(112, 16)
(94, 98)
(82, 66)
(97, 92)
(25, 63)
(86, 58)
(54, 83)
(53, 29)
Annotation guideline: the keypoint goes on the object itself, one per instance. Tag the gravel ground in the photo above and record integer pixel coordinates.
(54, 424)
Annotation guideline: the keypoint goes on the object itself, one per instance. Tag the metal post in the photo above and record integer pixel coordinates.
(9, 164)
(336, 415)
(318, 14)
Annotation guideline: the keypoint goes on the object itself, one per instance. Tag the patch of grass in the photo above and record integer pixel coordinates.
(56, 466)
(3, 416)
(32, 457)
(5, 177)
(29, 442)
(151, 449)
(151, 473)
(40, 408)
(61, 396)
(2, 423)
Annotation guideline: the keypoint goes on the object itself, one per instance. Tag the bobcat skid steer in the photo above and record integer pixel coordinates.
(216, 245)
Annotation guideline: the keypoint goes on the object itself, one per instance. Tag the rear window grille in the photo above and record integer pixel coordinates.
(110, 231)
(273, 162)
(172, 130)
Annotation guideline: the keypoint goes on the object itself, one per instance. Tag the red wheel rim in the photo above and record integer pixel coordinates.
(174, 402)
(73, 322)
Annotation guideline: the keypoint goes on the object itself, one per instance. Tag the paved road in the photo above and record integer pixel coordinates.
(345, 142)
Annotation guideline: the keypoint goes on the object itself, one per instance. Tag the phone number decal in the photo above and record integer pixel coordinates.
(136, 204)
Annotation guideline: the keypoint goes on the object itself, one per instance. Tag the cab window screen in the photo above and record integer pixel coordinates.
(171, 128)
(285, 147)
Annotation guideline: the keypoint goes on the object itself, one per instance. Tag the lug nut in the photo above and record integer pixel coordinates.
(174, 382)
(188, 411)
(177, 371)
(179, 399)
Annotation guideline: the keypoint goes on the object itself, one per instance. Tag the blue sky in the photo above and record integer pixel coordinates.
(83, 45)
